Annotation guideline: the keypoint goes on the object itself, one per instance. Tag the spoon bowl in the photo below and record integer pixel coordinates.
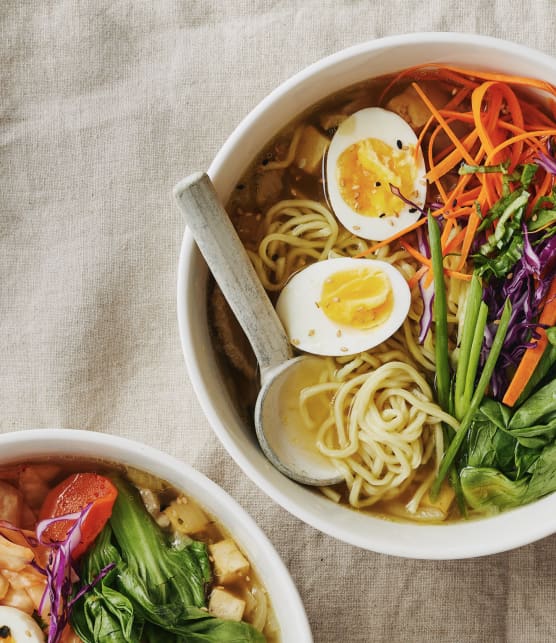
(277, 424)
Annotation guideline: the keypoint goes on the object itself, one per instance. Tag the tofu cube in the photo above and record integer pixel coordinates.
(411, 108)
(225, 605)
(330, 121)
(310, 150)
(229, 562)
(442, 503)
(186, 517)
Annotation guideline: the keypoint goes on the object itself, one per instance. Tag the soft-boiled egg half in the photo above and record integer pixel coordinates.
(343, 306)
(370, 151)
(18, 627)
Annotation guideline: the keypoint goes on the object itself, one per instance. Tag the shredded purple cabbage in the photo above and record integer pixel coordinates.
(60, 570)
(526, 287)
(396, 192)
(547, 161)
(427, 292)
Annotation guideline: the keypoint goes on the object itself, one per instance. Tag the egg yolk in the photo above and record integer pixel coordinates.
(365, 171)
(358, 298)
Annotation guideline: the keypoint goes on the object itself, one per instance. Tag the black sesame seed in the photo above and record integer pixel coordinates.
(378, 184)
(5, 632)
(399, 144)
(413, 209)
(382, 214)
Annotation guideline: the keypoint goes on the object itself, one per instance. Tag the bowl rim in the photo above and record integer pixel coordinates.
(78, 442)
(418, 545)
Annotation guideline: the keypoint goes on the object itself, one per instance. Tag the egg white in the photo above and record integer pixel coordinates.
(378, 123)
(310, 330)
(23, 628)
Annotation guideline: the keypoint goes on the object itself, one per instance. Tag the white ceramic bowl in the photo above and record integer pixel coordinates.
(375, 58)
(287, 605)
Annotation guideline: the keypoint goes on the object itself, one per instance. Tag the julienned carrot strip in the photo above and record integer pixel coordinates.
(530, 111)
(446, 232)
(455, 241)
(461, 76)
(500, 121)
(462, 276)
(445, 74)
(521, 137)
(427, 262)
(532, 355)
(477, 99)
(429, 72)
(394, 237)
(422, 134)
(544, 189)
(486, 124)
(458, 98)
(467, 117)
(442, 121)
(437, 183)
(505, 78)
(452, 159)
(472, 225)
(413, 281)
(416, 254)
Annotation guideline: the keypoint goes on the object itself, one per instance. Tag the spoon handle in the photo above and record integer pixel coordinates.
(230, 264)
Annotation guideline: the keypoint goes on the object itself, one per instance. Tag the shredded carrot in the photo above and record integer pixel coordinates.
(532, 355)
(394, 237)
(521, 137)
(441, 120)
(413, 281)
(500, 126)
(427, 262)
(504, 78)
(446, 232)
(416, 254)
(472, 225)
(455, 242)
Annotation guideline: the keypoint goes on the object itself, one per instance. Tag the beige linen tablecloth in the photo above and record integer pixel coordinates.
(104, 105)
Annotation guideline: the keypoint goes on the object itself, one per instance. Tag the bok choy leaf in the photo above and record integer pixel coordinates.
(157, 588)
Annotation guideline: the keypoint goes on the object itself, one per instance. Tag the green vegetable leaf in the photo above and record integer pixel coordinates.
(502, 168)
(540, 408)
(506, 467)
(502, 263)
(541, 219)
(156, 587)
(543, 479)
(454, 446)
(487, 490)
(503, 205)
(489, 445)
(546, 363)
(156, 573)
(104, 615)
(528, 172)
